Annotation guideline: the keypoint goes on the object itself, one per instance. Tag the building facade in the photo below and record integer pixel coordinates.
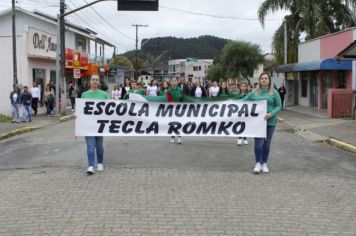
(313, 80)
(190, 68)
(36, 44)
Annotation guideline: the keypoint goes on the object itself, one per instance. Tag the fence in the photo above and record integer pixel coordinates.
(340, 103)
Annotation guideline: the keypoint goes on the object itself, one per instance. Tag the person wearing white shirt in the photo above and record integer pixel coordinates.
(116, 93)
(152, 90)
(214, 90)
(36, 94)
(198, 91)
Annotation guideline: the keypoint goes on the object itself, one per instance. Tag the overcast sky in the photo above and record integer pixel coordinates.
(171, 20)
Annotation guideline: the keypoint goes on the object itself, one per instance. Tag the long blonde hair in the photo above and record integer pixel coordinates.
(270, 85)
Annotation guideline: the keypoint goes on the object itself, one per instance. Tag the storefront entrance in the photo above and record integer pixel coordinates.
(39, 78)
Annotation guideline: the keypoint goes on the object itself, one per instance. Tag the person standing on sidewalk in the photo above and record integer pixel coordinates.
(282, 92)
(36, 94)
(95, 143)
(49, 99)
(26, 103)
(15, 98)
(265, 91)
(72, 93)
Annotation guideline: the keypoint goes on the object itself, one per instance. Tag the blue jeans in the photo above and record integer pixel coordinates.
(26, 112)
(15, 112)
(94, 143)
(263, 145)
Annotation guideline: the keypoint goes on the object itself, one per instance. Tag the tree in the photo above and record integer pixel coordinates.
(216, 72)
(312, 17)
(240, 59)
(121, 61)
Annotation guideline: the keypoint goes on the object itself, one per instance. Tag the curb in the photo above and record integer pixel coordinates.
(29, 129)
(17, 132)
(65, 118)
(342, 145)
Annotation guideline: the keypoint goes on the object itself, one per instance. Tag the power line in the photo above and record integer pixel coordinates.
(215, 16)
(88, 24)
(109, 23)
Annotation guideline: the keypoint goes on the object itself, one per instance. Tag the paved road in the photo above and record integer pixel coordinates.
(152, 187)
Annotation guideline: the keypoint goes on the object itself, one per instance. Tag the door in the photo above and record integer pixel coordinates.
(313, 89)
(327, 83)
(39, 79)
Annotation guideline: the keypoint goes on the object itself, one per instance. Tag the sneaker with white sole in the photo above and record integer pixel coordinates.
(265, 168)
(90, 170)
(172, 140)
(245, 142)
(257, 168)
(100, 167)
(239, 142)
(179, 140)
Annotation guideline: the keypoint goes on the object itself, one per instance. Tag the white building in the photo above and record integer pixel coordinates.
(36, 51)
(190, 68)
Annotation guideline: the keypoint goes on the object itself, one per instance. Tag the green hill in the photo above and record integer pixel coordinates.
(204, 47)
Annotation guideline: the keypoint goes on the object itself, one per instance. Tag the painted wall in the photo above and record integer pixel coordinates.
(309, 51)
(6, 74)
(331, 45)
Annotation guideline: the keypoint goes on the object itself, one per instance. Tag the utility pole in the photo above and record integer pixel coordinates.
(136, 25)
(63, 59)
(285, 42)
(14, 42)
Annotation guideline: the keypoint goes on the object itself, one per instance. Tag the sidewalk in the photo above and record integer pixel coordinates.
(316, 124)
(39, 121)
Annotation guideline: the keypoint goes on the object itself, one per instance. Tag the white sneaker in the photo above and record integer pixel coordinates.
(239, 142)
(100, 167)
(90, 170)
(172, 140)
(265, 168)
(245, 142)
(179, 140)
(257, 168)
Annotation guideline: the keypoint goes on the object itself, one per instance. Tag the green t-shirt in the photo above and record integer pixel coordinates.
(97, 94)
(162, 92)
(274, 104)
(175, 93)
(224, 94)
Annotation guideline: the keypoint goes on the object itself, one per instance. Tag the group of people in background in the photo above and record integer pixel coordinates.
(23, 99)
(263, 89)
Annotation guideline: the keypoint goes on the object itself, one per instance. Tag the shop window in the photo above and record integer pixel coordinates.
(304, 83)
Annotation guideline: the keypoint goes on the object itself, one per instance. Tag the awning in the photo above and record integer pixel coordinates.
(325, 64)
(349, 53)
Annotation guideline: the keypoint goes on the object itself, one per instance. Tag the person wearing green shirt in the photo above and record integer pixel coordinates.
(223, 91)
(174, 94)
(95, 143)
(134, 89)
(265, 91)
(164, 88)
(243, 93)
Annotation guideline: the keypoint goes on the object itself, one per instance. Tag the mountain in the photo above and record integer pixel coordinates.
(203, 47)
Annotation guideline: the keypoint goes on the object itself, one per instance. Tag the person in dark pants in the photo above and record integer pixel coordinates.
(282, 91)
(72, 93)
(36, 94)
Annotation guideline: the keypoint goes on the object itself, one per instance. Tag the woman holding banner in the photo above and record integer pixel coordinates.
(95, 143)
(242, 94)
(265, 91)
(174, 94)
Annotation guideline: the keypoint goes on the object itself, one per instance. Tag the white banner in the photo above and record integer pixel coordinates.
(136, 118)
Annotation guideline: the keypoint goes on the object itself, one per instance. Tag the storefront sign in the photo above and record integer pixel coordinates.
(41, 44)
(76, 73)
